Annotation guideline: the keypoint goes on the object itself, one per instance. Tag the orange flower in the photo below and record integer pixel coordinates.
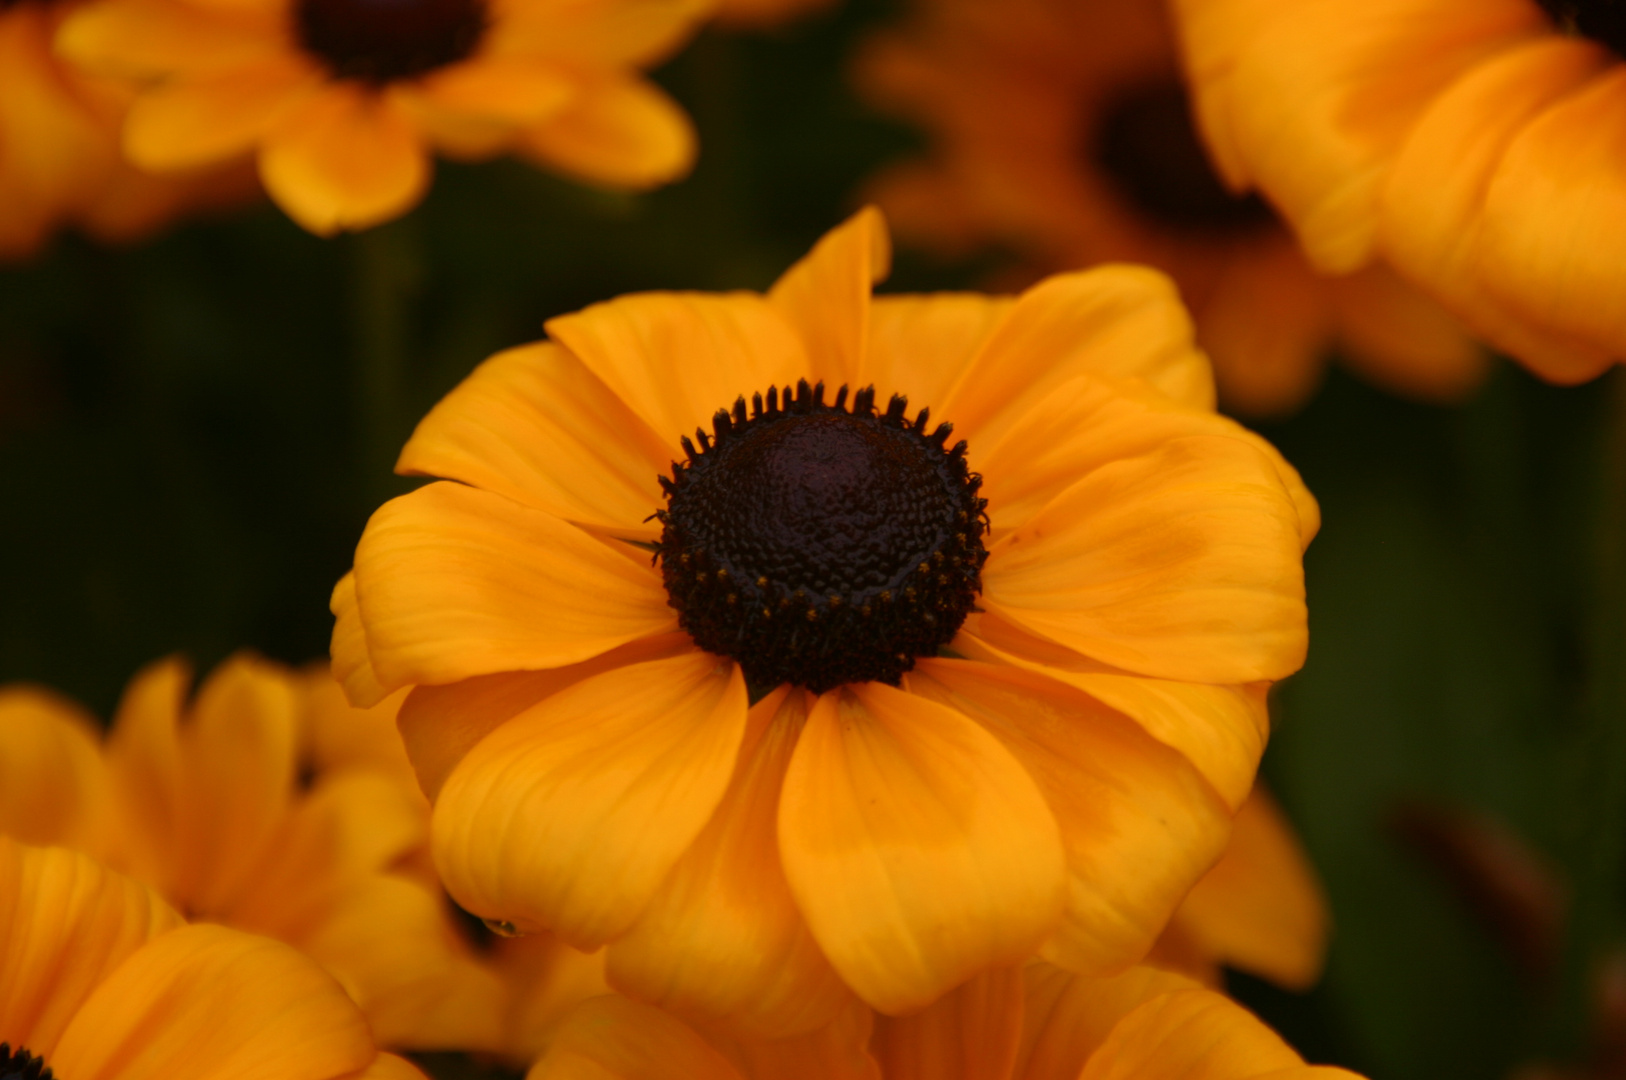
(1034, 1024)
(1474, 145)
(341, 101)
(1060, 129)
(204, 801)
(853, 780)
(59, 155)
(101, 980)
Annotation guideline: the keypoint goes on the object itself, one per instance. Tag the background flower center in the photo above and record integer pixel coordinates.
(382, 40)
(19, 1064)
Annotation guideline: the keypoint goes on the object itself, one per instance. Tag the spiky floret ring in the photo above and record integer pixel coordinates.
(819, 544)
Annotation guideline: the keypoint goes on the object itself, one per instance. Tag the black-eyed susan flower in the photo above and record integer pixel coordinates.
(341, 102)
(1061, 129)
(101, 980)
(1475, 146)
(1034, 1024)
(210, 802)
(825, 697)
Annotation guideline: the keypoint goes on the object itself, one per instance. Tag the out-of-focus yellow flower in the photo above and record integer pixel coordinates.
(342, 101)
(1035, 1024)
(1060, 129)
(790, 759)
(59, 148)
(1476, 146)
(101, 980)
(204, 801)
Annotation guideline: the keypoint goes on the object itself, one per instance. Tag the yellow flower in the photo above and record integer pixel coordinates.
(1474, 145)
(888, 709)
(1060, 129)
(342, 101)
(1039, 1023)
(101, 980)
(204, 802)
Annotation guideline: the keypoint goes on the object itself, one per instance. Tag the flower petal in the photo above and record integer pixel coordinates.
(722, 940)
(917, 847)
(164, 37)
(455, 582)
(635, 33)
(347, 158)
(1124, 321)
(352, 663)
(53, 786)
(1183, 563)
(146, 771)
(188, 122)
(918, 345)
(623, 133)
(65, 923)
(612, 1037)
(507, 89)
(1138, 824)
(676, 358)
(569, 816)
(1398, 338)
(1068, 1016)
(837, 1051)
(389, 1067)
(970, 1033)
(826, 296)
(535, 425)
(1261, 908)
(207, 1002)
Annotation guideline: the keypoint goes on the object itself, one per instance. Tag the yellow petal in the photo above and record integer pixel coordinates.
(165, 37)
(826, 296)
(1139, 826)
(1068, 1016)
(837, 1051)
(1396, 337)
(53, 786)
(635, 33)
(1123, 321)
(389, 1067)
(352, 665)
(569, 816)
(455, 582)
(534, 424)
(621, 133)
(1434, 201)
(211, 1003)
(198, 121)
(507, 89)
(676, 358)
(722, 940)
(612, 1038)
(65, 923)
(347, 158)
(546, 980)
(918, 345)
(917, 847)
(1220, 729)
(969, 1034)
(1182, 563)
(146, 766)
(1261, 908)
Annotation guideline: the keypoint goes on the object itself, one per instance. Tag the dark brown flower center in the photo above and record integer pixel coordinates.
(820, 545)
(1147, 143)
(19, 1064)
(384, 40)
(1603, 21)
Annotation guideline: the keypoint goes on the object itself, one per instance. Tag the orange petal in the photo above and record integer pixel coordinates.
(624, 133)
(455, 582)
(507, 89)
(968, 1034)
(146, 769)
(207, 1002)
(53, 786)
(389, 1067)
(1124, 321)
(612, 1038)
(569, 816)
(165, 37)
(1068, 1016)
(352, 664)
(197, 121)
(65, 923)
(629, 33)
(837, 1051)
(916, 845)
(676, 358)
(826, 297)
(1434, 202)
(918, 345)
(1138, 824)
(1397, 338)
(1261, 908)
(722, 940)
(1183, 564)
(1220, 729)
(347, 158)
(534, 424)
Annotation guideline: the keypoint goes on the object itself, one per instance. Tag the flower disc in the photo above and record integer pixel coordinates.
(1603, 21)
(19, 1064)
(384, 40)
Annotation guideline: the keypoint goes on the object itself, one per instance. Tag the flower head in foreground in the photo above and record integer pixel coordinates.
(342, 101)
(1476, 145)
(1061, 129)
(1037, 1023)
(204, 801)
(891, 704)
(103, 981)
